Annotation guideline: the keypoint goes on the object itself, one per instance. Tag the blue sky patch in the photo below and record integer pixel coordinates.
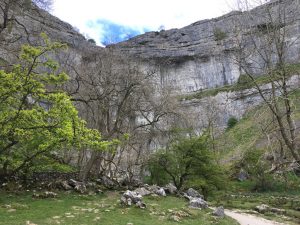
(111, 32)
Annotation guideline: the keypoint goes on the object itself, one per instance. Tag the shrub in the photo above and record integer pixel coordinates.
(232, 121)
(219, 34)
(188, 162)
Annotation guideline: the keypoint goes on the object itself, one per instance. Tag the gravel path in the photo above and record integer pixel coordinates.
(248, 219)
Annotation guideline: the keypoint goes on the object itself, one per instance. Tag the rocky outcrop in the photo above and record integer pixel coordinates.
(203, 54)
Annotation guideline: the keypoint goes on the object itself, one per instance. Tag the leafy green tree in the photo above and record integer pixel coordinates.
(188, 161)
(36, 116)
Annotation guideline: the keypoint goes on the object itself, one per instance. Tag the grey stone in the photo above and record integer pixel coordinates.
(170, 188)
(140, 205)
(262, 208)
(198, 203)
(131, 197)
(193, 193)
(160, 192)
(243, 175)
(64, 184)
(219, 212)
(143, 191)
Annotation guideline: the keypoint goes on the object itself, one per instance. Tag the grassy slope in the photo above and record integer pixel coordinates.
(99, 209)
(247, 135)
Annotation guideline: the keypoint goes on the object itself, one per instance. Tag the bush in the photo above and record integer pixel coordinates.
(232, 121)
(219, 34)
(187, 163)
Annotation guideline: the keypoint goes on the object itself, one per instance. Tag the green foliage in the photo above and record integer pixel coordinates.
(188, 162)
(91, 40)
(219, 34)
(232, 121)
(257, 167)
(36, 116)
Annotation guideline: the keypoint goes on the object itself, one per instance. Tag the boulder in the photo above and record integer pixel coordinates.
(262, 208)
(64, 184)
(219, 212)
(142, 191)
(132, 197)
(278, 211)
(243, 175)
(175, 218)
(78, 186)
(140, 205)
(198, 203)
(193, 193)
(170, 189)
(160, 192)
(156, 190)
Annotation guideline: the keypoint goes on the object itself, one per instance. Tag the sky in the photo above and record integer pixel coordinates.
(112, 21)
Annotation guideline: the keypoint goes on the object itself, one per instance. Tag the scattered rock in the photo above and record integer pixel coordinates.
(11, 210)
(193, 193)
(160, 192)
(78, 186)
(262, 208)
(64, 184)
(170, 189)
(30, 223)
(278, 211)
(132, 197)
(175, 218)
(142, 191)
(243, 175)
(198, 203)
(219, 212)
(46, 194)
(141, 205)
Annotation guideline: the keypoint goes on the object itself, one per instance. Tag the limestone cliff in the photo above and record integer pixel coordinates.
(203, 54)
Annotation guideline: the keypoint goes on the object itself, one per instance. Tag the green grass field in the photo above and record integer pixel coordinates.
(16, 209)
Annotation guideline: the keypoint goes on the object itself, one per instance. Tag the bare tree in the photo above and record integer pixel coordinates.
(267, 46)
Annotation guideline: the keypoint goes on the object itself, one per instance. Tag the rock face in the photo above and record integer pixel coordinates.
(202, 55)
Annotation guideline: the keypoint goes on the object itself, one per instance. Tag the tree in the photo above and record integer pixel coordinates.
(187, 161)
(266, 47)
(36, 116)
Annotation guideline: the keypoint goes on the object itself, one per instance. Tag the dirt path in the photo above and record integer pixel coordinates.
(248, 219)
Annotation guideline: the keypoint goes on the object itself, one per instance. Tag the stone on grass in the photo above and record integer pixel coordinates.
(219, 212)
(46, 194)
(175, 218)
(132, 197)
(193, 193)
(140, 205)
(80, 187)
(64, 184)
(170, 189)
(262, 208)
(142, 191)
(278, 211)
(243, 175)
(160, 192)
(198, 203)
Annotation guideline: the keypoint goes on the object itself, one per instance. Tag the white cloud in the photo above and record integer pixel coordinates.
(138, 13)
